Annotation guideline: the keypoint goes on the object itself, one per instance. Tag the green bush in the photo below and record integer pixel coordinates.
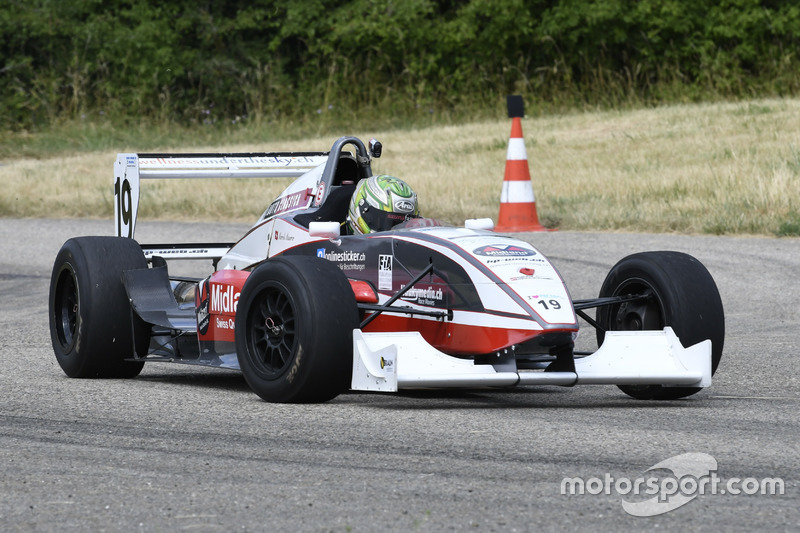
(357, 61)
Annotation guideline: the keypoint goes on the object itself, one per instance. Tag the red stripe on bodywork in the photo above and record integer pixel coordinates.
(457, 339)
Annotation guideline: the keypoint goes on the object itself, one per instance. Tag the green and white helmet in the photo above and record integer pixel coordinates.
(379, 203)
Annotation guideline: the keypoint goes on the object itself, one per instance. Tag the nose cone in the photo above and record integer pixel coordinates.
(531, 280)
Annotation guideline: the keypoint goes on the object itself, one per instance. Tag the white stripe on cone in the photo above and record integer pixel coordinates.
(516, 149)
(517, 192)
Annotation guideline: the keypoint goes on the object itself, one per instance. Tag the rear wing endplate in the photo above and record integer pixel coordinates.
(130, 169)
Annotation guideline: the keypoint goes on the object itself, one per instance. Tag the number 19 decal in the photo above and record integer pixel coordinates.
(553, 303)
(123, 207)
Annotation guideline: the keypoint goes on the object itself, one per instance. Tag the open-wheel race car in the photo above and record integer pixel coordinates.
(307, 310)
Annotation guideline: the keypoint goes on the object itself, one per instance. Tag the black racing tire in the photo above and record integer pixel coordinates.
(682, 295)
(294, 330)
(91, 321)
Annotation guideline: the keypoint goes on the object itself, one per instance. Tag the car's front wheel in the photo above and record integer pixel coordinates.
(294, 330)
(678, 291)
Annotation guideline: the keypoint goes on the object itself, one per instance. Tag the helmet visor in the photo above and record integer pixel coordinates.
(379, 220)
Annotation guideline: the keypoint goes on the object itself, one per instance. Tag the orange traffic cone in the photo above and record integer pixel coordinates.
(517, 202)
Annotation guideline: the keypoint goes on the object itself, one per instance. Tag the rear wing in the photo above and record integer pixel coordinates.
(130, 169)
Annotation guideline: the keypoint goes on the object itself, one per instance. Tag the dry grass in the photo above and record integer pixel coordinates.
(730, 168)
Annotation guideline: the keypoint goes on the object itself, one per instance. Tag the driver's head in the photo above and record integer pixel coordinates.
(379, 203)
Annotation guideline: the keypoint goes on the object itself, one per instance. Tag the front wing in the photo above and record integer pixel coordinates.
(388, 362)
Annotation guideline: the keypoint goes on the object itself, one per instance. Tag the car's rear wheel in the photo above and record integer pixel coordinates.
(91, 322)
(680, 293)
(294, 330)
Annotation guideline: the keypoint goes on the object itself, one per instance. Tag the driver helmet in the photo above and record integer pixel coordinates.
(379, 203)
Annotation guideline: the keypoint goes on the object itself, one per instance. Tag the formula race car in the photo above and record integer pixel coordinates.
(307, 311)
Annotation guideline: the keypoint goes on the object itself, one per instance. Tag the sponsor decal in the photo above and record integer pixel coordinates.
(201, 301)
(283, 236)
(289, 202)
(404, 206)
(527, 274)
(345, 260)
(429, 296)
(225, 323)
(384, 272)
(338, 257)
(224, 298)
(352, 266)
(503, 250)
(176, 251)
(130, 161)
(540, 296)
(226, 161)
(217, 300)
(387, 364)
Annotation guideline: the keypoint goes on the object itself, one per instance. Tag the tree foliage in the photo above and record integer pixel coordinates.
(265, 60)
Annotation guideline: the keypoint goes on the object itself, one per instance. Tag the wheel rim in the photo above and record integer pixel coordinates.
(66, 304)
(271, 331)
(645, 314)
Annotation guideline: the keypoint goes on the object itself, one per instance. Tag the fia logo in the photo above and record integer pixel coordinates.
(384, 272)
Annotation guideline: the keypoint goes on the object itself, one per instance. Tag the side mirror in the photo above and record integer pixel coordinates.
(479, 223)
(325, 230)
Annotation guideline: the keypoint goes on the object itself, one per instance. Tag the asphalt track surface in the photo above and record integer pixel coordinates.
(180, 448)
